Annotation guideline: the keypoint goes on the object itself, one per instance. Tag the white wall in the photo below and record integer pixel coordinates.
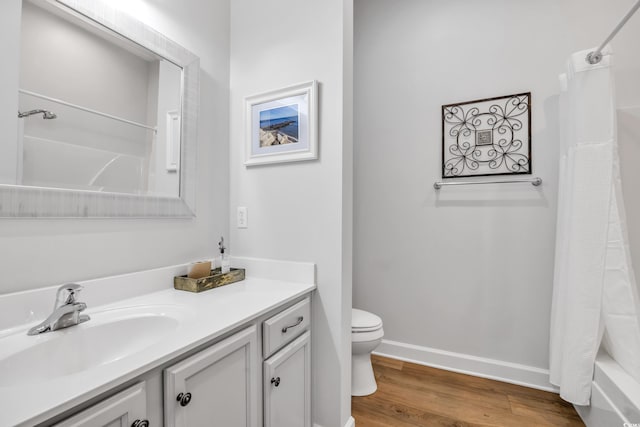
(64, 60)
(466, 270)
(166, 181)
(629, 149)
(9, 76)
(35, 253)
(300, 211)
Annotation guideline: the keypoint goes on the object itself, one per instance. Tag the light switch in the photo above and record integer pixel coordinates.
(242, 219)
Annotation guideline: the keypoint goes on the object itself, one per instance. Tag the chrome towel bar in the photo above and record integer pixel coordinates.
(536, 181)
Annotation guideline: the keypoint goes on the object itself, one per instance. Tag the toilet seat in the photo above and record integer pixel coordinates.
(363, 321)
(368, 336)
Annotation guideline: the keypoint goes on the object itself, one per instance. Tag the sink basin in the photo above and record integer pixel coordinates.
(109, 336)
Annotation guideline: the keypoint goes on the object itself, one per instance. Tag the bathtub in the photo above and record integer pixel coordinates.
(615, 397)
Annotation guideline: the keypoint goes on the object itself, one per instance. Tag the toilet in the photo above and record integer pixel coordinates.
(366, 335)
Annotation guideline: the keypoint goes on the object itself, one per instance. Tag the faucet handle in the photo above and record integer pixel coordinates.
(66, 294)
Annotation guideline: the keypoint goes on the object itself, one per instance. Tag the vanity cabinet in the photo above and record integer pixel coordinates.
(259, 376)
(287, 385)
(287, 368)
(125, 409)
(217, 386)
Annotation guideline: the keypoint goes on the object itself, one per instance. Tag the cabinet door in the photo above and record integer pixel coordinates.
(217, 386)
(121, 410)
(287, 385)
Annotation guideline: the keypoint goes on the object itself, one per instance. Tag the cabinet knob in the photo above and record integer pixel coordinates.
(184, 399)
(140, 423)
(275, 381)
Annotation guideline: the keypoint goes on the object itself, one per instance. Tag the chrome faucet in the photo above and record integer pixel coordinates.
(66, 311)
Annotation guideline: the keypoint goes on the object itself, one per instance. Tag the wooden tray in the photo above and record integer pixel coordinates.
(216, 280)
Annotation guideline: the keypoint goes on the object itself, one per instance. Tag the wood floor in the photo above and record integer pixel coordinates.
(415, 395)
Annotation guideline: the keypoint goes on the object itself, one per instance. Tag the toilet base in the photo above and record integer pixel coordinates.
(363, 381)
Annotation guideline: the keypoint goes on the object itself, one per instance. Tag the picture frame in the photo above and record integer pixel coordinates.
(487, 137)
(281, 125)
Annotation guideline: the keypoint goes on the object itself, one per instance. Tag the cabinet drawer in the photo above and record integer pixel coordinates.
(285, 326)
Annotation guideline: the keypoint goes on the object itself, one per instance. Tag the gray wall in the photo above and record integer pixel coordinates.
(35, 253)
(466, 270)
(301, 211)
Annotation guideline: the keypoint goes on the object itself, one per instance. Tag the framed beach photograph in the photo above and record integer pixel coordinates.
(281, 125)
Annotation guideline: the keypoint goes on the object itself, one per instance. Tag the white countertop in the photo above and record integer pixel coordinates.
(210, 315)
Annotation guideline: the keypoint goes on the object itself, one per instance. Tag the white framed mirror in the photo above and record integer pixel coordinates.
(106, 117)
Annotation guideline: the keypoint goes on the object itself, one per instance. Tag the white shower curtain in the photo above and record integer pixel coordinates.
(594, 287)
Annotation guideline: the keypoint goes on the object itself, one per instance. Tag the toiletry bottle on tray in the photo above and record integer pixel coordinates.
(225, 265)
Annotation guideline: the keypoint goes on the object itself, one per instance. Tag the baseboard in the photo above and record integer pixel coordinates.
(513, 373)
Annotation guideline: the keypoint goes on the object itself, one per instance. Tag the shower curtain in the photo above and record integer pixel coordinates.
(594, 293)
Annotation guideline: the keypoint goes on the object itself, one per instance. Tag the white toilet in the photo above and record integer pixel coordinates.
(366, 335)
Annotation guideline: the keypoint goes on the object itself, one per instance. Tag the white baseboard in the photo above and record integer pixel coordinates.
(513, 373)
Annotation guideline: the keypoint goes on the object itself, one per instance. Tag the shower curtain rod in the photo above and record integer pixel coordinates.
(533, 181)
(596, 56)
(88, 110)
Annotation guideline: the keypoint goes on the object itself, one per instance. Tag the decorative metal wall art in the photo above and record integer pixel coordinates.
(487, 137)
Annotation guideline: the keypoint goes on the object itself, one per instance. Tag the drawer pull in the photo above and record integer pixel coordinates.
(140, 423)
(275, 381)
(184, 399)
(300, 319)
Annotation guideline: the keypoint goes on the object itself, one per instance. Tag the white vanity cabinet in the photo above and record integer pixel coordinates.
(217, 386)
(125, 409)
(287, 372)
(287, 385)
(259, 376)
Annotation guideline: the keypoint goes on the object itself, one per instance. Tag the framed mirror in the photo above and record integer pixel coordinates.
(106, 117)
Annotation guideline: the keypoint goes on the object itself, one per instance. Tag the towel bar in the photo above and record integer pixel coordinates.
(533, 181)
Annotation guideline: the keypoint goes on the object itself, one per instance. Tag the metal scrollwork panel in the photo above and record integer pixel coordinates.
(487, 137)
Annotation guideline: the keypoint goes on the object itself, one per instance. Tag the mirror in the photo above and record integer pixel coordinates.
(106, 117)
(96, 111)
